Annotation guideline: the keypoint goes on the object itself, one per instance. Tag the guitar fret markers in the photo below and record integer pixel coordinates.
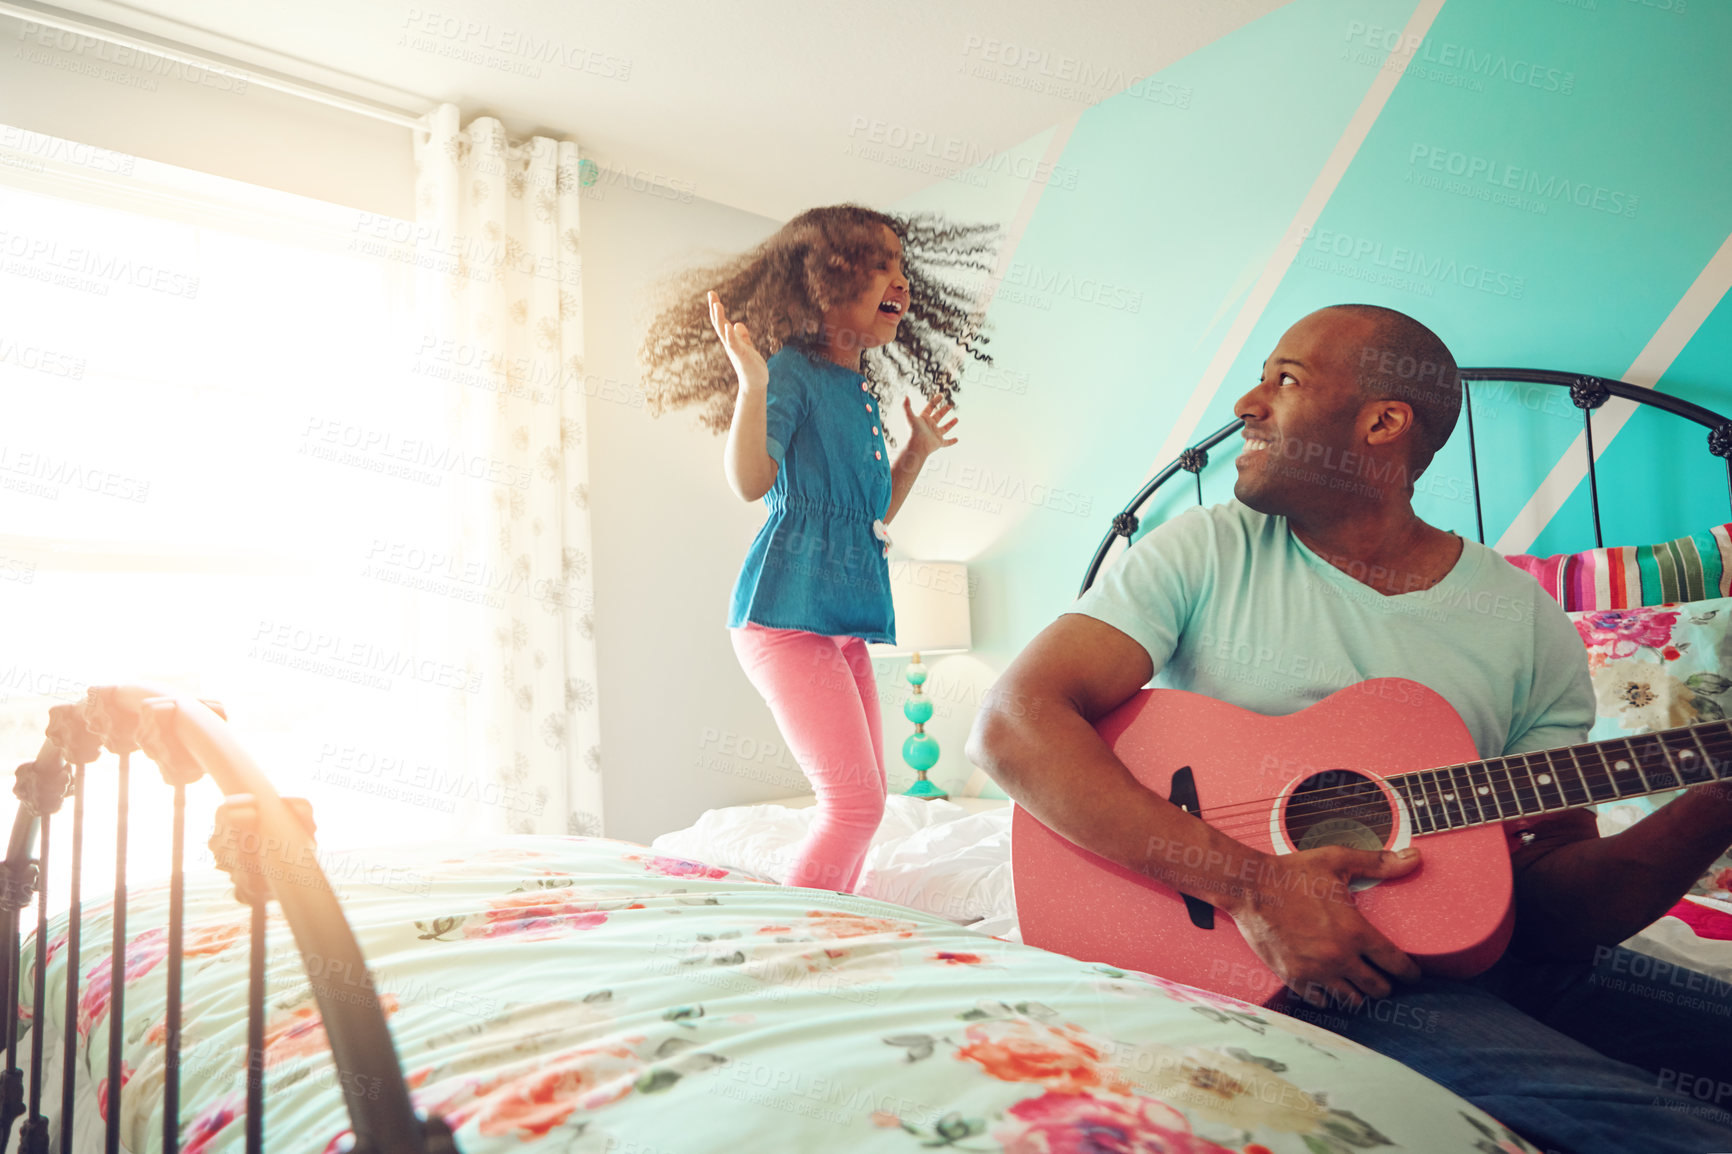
(1465, 793)
(1548, 780)
(1640, 772)
(1553, 793)
(1707, 763)
(1433, 798)
(1625, 777)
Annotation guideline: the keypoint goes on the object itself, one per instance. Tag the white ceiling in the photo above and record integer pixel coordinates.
(750, 103)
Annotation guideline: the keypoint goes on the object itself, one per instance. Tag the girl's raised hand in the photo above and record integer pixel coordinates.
(927, 435)
(748, 363)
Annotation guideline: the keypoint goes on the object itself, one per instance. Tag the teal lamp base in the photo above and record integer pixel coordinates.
(925, 790)
(920, 751)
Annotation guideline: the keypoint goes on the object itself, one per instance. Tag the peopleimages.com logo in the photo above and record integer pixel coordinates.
(1412, 266)
(1489, 176)
(1452, 62)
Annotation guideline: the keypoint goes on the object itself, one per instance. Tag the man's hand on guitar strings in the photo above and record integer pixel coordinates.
(1302, 922)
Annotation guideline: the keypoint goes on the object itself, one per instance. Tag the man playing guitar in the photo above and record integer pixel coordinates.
(1320, 575)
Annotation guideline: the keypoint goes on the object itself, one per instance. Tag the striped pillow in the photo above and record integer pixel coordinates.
(1691, 568)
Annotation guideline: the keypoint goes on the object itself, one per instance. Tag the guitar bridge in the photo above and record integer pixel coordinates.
(1184, 795)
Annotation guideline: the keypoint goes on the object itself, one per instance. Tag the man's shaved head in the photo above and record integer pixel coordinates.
(1400, 359)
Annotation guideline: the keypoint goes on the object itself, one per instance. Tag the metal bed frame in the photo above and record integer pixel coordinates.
(265, 843)
(1587, 393)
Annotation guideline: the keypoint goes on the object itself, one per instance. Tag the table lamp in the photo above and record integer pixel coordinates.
(931, 600)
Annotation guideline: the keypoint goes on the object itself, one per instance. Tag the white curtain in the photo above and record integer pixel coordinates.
(501, 256)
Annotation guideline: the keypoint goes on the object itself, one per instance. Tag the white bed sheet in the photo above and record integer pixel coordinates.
(940, 857)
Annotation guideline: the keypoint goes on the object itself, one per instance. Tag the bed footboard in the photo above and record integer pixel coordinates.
(265, 843)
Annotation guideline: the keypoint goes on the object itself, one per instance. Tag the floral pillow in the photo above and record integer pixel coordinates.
(1660, 667)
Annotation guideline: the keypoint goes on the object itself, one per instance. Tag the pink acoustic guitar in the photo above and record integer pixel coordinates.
(1355, 769)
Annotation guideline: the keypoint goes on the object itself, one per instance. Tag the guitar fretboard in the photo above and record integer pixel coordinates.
(1549, 780)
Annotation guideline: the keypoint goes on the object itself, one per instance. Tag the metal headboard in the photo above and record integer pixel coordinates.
(265, 843)
(1587, 393)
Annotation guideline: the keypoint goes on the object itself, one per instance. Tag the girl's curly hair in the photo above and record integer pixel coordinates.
(819, 260)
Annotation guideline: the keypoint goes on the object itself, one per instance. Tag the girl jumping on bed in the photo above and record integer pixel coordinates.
(826, 315)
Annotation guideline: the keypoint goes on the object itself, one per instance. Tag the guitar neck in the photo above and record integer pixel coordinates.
(1549, 780)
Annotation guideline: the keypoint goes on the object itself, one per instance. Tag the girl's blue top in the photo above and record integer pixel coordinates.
(816, 564)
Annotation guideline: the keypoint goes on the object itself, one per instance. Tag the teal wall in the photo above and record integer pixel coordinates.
(1174, 195)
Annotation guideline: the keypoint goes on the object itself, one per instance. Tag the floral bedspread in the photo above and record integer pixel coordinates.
(582, 995)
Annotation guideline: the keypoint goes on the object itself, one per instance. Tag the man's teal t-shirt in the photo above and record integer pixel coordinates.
(1230, 604)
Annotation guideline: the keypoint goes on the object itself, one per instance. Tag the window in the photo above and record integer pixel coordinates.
(225, 466)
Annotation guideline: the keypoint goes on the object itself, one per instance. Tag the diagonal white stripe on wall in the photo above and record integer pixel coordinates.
(1025, 211)
(1297, 230)
(1646, 370)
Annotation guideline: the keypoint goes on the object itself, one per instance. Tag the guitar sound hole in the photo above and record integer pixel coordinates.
(1338, 807)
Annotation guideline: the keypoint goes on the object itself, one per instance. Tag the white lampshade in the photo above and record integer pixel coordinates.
(931, 599)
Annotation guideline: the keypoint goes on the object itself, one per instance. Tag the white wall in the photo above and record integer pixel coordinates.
(54, 83)
(668, 534)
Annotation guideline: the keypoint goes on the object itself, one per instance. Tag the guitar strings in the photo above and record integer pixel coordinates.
(1233, 820)
(1507, 792)
(1255, 813)
(1642, 759)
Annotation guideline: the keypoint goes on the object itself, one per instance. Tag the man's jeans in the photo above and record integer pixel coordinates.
(1623, 1055)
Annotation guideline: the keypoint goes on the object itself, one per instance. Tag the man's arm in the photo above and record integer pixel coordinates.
(1595, 891)
(1035, 736)
(1575, 890)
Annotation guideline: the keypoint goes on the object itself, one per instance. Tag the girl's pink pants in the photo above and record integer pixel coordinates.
(822, 694)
